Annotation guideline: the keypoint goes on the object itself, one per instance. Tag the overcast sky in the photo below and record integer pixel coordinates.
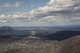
(39, 12)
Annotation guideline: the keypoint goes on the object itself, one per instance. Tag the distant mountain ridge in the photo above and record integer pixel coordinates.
(70, 27)
(43, 34)
(6, 28)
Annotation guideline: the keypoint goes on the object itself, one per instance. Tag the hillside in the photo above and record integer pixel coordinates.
(39, 41)
(70, 45)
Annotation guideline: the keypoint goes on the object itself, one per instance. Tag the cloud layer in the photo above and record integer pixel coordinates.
(55, 12)
(16, 4)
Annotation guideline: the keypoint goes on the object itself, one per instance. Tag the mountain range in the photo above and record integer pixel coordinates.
(39, 40)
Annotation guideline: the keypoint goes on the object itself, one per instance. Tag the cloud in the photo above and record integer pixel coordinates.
(55, 12)
(59, 10)
(2, 16)
(3, 21)
(16, 4)
(57, 6)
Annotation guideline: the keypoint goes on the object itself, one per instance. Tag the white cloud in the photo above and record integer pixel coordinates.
(55, 12)
(65, 9)
(2, 16)
(4, 21)
(16, 4)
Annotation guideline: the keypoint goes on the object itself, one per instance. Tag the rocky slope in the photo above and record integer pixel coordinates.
(42, 41)
(71, 45)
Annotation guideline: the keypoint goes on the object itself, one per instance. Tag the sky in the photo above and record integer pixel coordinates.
(39, 12)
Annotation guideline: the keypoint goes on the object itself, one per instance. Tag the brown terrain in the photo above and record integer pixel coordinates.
(43, 41)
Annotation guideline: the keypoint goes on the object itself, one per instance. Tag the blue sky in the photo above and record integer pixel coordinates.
(25, 7)
(39, 12)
